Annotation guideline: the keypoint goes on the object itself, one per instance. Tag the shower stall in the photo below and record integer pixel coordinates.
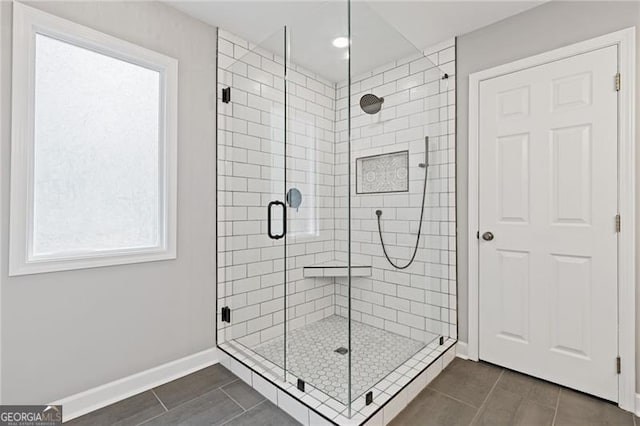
(336, 258)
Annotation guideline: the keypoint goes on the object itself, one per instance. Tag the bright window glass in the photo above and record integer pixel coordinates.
(97, 151)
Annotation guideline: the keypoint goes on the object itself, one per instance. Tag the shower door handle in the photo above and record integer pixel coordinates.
(284, 219)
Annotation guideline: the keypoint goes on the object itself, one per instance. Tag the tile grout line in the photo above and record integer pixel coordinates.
(232, 399)
(452, 397)
(197, 396)
(150, 419)
(244, 412)
(255, 405)
(166, 410)
(555, 413)
(185, 402)
(487, 397)
(159, 400)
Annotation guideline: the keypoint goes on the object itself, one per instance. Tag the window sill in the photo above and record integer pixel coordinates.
(17, 268)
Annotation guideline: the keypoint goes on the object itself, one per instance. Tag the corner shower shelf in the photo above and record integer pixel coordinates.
(336, 269)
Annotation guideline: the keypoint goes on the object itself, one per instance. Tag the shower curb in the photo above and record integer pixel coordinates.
(308, 411)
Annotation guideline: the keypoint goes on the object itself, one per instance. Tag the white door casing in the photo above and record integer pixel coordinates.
(548, 192)
(552, 241)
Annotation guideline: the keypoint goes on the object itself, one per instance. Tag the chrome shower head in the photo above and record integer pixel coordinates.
(370, 103)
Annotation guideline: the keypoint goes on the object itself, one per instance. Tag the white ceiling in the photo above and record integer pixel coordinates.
(382, 31)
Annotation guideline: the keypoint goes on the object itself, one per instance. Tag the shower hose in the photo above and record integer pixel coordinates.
(424, 194)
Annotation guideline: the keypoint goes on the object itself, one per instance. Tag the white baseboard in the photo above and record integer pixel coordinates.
(637, 406)
(101, 396)
(461, 350)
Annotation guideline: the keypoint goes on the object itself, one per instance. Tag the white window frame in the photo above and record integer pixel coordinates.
(27, 22)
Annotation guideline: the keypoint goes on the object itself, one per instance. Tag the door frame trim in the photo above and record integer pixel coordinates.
(625, 41)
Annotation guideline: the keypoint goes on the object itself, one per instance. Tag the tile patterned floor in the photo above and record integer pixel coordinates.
(311, 355)
(465, 393)
(212, 396)
(476, 393)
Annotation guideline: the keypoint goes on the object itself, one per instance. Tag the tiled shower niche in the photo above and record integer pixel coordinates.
(294, 311)
(383, 173)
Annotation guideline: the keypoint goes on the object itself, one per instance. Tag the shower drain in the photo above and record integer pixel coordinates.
(342, 350)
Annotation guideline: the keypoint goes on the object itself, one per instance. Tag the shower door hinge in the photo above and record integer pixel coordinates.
(226, 95)
(618, 365)
(617, 82)
(617, 223)
(226, 314)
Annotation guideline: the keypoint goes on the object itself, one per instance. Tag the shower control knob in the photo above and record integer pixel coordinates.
(487, 236)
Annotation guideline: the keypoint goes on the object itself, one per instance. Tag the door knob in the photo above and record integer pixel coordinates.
(487, 236)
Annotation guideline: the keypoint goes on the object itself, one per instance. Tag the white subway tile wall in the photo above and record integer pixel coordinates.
(417, 302)
(251, 173)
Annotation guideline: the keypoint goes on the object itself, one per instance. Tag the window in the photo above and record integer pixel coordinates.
(93, 168)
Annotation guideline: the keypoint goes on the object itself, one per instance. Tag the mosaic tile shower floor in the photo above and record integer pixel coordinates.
(312, 355)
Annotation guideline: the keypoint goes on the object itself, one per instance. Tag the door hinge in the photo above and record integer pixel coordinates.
(617, 223)
(226, 95)
(618, 365)
(226, 314)
(617, 82)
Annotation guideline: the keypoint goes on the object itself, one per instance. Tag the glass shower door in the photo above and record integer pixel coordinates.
(318, 348)
(252, 222)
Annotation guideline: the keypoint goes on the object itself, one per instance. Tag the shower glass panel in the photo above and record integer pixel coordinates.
(317, 338)
(251, 195)
(336, 216)
(398, 212)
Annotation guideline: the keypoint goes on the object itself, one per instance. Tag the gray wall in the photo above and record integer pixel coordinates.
(546, 27)
(66, 332)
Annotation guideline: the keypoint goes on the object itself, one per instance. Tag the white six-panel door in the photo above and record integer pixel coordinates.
(548, 194)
